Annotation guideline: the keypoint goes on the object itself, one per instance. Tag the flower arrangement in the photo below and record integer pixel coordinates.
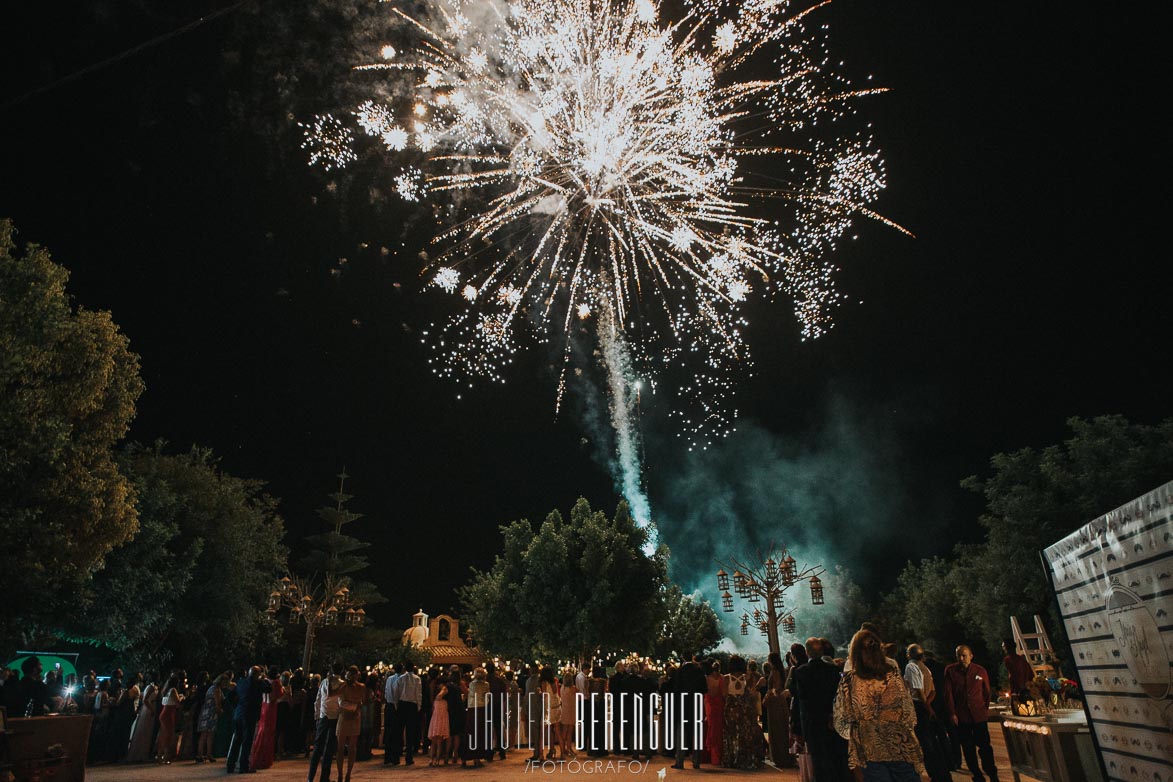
(1065, 693)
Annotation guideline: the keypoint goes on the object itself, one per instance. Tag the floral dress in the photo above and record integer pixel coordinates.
(742, 745)
(877, 718)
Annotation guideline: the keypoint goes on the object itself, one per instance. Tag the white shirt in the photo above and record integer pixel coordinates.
(408, 689)
(389, 693)
(914, 679)
(325, 707)
(580, 682)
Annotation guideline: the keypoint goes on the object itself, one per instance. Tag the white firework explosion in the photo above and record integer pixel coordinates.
(605, 160)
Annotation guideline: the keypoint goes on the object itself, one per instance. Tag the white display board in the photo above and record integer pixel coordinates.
(1113, 580)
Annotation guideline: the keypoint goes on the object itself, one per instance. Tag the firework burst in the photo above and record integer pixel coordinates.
(614, 167)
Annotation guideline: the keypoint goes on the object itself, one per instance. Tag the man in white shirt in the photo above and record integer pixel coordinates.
(408, 699)
(390, 758)
(325, 737)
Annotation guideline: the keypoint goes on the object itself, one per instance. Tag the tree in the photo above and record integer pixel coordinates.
(1034, 498)
(68, 387)
(335, 556)
(690, 626)
(573, 587)
(190, 588)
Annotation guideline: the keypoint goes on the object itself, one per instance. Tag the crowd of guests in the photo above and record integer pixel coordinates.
(882, 714)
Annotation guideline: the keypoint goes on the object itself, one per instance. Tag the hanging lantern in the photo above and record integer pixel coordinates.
(789, 570)
(758, 616)
(771, 568)
(816, 591)
(754, 597)
(285, 584)
(727, 601)
(274, 602)
(788, 624)
(722, 580)
(360, 618)
(294, 615)
(349, 620)
(744, 628)
(765, 628)
(741, 584)
(331, 615)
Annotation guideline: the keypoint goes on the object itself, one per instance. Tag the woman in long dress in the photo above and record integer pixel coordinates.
(456, 712)
(742, 739)
(567, 723)
(476, 744)
(265, 742)
(351, 697)
(222, 740)
(777, 705)
(123, 712)
(139, 749)
(171, 701)
(714, 711)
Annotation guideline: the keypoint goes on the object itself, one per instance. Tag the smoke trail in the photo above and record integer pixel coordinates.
(623, 407)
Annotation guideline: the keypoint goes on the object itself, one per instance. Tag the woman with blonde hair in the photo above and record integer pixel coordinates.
(351, 697)
(567, 717)
(874, 713)
(477, 742)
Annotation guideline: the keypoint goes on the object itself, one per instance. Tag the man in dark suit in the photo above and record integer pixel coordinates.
(690, 681)
(250, 692)
(812, 691)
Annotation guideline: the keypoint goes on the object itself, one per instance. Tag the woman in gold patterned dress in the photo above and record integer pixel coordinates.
(742, 735)
(874, 713)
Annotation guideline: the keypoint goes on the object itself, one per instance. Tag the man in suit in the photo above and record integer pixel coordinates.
(812, 690)
(690, 681)
(250, 692)
(405, 732)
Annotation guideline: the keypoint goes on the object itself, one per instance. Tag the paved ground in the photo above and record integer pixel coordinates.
(513, 769)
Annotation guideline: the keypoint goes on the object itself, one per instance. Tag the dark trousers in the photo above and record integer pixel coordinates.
(243, 731)
(829, 758)
(975, 742)
(325, 745)
(407, 723)
(392, 744)
(934, 744)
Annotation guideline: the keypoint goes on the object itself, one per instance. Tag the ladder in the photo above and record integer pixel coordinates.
(1040, 654)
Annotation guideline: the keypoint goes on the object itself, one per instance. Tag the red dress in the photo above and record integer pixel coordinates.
(265, 743)
(715, 720)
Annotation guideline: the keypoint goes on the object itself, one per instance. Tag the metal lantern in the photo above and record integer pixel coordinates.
(294, 615)
(771, 568)
(274, 602)
(816, 591)
(727, 601)
(360, 618)
(754, 597)
(765, 628)
(286, 584)
(722, 580)
(744, 628)
(331, 615)
(789, 570)
(788, 624)
(349, 620)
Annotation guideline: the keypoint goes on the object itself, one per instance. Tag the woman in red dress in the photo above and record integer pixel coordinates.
(265, 743)
(714, 711)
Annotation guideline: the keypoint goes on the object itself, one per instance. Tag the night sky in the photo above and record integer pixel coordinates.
(1019, 150)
